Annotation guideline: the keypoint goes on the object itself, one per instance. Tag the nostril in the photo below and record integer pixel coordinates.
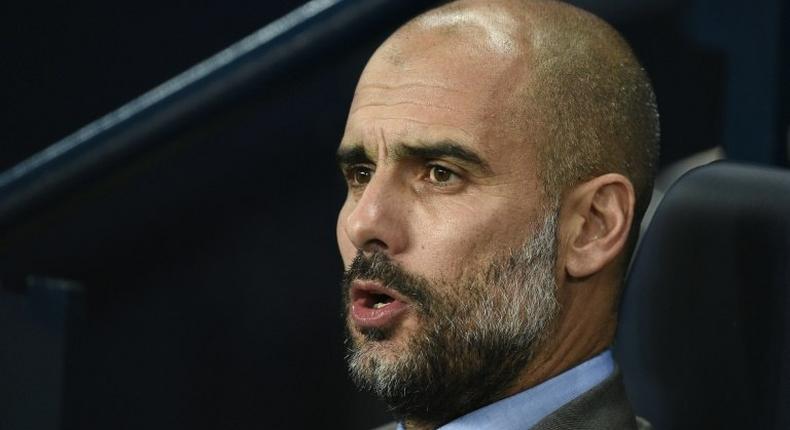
(374, 245)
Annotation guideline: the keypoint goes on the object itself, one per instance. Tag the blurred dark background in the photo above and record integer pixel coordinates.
(197, 286)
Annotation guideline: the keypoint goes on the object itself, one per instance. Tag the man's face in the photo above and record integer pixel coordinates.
(442, 208)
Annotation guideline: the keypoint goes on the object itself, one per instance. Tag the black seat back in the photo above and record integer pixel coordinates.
(704, 335)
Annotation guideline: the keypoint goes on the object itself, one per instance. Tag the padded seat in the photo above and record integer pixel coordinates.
(704, 335)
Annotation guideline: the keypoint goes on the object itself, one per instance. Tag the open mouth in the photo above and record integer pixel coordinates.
(378, 301)
(374, 305)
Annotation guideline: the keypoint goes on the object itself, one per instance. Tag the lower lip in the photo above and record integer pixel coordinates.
(366, 317)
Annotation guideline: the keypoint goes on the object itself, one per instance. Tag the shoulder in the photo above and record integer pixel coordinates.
(390, 426)
(605, 406)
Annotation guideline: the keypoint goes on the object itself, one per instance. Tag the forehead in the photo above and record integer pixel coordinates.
(435, 86)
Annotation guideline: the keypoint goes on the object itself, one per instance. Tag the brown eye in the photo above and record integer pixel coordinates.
(440, 174)
(360, 175)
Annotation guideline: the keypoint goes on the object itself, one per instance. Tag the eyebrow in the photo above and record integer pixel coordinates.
(352, 155)
(356, 154)
(443, 149)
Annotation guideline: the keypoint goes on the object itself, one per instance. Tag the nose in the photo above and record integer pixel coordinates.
(376, 221)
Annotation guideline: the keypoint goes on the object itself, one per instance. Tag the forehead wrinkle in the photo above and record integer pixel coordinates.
(466, 133)
(383, 153)
(416, 93)
(383, 104)
(404, 86)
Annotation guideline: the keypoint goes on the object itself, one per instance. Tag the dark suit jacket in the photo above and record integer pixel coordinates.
(603, 407)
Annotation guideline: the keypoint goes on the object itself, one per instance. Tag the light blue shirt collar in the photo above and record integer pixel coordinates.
(527, 408)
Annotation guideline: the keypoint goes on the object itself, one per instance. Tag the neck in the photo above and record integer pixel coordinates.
(584, 329)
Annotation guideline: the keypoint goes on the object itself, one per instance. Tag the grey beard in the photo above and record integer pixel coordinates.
(476, 335)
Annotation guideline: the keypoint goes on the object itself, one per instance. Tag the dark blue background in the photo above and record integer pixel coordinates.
(207, 268)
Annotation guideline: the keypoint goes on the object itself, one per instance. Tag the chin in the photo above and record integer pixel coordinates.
(378, 342)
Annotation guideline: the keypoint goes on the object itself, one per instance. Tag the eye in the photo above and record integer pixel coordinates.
(441, 175)
(359, 175)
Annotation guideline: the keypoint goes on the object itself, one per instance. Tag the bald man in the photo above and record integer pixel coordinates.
(498, 156)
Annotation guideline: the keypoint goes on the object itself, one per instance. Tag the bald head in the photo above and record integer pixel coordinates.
(568, 85)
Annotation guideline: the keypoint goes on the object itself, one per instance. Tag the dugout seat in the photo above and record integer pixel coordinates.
(704, 334)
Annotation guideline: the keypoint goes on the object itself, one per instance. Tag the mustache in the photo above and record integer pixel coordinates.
(377, 266)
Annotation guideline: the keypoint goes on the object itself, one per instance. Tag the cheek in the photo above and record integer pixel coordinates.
(457, 240)
(459, 234)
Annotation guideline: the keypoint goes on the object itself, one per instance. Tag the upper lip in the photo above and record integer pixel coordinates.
(360, 287)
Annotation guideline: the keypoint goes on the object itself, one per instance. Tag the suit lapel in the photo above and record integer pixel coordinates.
(605, 406)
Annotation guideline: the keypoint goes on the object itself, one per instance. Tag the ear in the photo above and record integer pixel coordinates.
(598, 219)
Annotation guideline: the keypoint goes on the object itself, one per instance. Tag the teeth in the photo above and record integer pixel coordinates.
(379, 305)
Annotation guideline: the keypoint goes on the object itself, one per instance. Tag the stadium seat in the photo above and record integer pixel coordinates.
(704, 336)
